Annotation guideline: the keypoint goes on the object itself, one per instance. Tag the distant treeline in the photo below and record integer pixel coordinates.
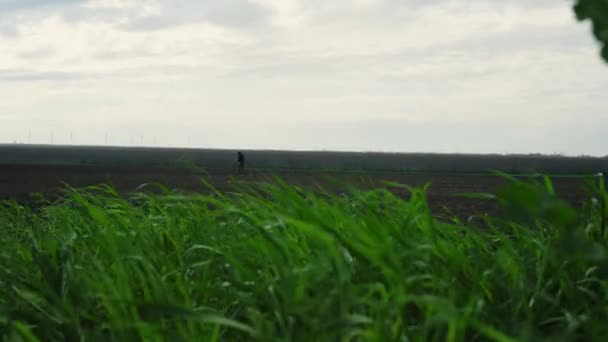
(346, 161)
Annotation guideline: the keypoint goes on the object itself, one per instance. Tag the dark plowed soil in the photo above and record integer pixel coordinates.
(20, 181)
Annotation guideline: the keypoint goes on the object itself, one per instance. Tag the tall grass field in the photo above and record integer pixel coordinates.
(273, 262)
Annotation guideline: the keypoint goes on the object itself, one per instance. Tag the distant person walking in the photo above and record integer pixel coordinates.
(241, 160)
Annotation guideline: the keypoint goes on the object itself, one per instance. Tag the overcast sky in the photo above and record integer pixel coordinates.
(505, 76)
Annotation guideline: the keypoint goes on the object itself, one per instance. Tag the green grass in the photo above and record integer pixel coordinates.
(274, 262)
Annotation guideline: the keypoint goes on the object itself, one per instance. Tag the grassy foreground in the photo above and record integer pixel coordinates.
(273, 262)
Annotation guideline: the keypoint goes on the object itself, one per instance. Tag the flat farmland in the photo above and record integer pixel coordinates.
(338, 262)
(25, 170)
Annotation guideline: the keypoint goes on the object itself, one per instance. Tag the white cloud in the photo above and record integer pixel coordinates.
(509, 76)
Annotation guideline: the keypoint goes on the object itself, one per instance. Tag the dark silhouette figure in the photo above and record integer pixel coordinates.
(241, 160)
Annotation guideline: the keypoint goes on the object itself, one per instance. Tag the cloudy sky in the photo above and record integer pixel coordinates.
(506, 76)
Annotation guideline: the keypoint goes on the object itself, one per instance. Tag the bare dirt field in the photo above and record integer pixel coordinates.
(27, 169)
(19, 181)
